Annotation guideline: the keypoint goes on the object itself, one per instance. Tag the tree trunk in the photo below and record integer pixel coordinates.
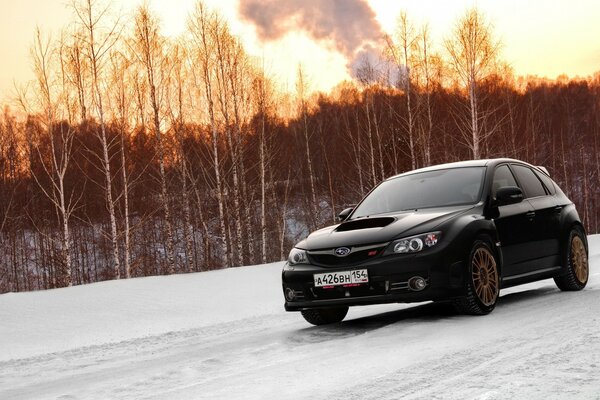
(263, 213)
(474, 120)
(127, 231)
(311, 177)
(407, 90)
(90, 21)
(370, 138)
(201, 32)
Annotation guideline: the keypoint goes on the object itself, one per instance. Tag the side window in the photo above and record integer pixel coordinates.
(547, 182)
(502, 177)
(530, 183)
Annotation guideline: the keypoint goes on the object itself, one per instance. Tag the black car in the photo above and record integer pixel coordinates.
(455, 232)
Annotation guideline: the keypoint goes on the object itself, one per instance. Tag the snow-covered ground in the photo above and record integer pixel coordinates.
(224, 335)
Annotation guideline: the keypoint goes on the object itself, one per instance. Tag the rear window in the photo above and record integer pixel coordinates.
(530, 183)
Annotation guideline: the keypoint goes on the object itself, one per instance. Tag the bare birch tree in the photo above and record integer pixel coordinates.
(228, 59)
(262, 99)
(402, 50)
(473, 52)
(176, 109)
(239, 76)
(99, 36)
(149, 49)
(301, 87)
(60, 140)
(121, 104)
(367, 76)
(200, 25)
(426, 63)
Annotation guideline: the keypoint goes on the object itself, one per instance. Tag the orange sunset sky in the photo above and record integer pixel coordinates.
(540, 37)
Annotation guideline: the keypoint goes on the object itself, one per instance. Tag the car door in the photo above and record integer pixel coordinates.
(514, 225)
(545, 252)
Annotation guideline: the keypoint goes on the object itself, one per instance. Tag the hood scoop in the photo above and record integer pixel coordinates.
(365, 224)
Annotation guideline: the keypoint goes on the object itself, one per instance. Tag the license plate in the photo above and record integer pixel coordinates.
(341, 278)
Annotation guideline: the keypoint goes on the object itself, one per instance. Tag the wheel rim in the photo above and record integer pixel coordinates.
(485, 276)
(579, 259)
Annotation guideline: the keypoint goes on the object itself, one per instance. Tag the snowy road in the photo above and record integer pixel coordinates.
(538, 343)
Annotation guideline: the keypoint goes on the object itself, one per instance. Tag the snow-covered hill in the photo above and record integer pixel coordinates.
(224, 335)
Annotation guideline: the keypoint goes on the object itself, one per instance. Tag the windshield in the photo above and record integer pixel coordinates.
(441, 188)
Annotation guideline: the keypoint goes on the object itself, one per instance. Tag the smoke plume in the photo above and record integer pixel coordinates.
(348, 25)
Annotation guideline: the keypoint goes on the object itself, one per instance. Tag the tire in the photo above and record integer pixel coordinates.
(324, 316)
(576, 262)
(483, 286)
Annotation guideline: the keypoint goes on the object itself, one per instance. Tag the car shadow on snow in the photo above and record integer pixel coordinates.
(361, 325)
(428, 312)
(528, 294)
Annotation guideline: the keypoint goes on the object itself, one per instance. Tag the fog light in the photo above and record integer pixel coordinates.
(290, 295)
(417, 283)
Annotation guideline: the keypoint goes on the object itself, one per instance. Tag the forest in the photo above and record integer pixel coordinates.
(134, 154)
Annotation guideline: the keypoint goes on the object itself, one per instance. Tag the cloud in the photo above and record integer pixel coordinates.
(349, 26)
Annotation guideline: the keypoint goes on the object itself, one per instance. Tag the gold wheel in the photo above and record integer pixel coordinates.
(579, 260)
(485, 276)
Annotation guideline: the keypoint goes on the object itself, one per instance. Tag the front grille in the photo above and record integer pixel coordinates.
(358, 255)
(394, 285)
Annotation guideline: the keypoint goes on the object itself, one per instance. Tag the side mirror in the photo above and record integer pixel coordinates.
(508, 195)
(344, 214)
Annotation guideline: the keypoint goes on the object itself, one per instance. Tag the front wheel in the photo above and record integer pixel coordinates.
(483, 286)
(323, 316)
(576, 261)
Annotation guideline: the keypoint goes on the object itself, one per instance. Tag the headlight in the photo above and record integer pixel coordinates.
(297, 256)
(414, 244)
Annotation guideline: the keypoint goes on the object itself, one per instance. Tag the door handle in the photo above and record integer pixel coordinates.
(530, 214)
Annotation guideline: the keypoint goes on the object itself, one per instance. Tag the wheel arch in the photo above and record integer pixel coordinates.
(566, 234)
(494, 240)
(480, 236)
(570, 220)
(484, 228)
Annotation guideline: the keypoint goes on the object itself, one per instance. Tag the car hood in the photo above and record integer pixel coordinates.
(381, 228)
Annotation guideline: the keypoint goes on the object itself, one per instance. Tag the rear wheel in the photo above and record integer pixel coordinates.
(323, 316)
(576, 261)
(483, 286)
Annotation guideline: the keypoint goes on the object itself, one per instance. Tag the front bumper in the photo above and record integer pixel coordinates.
(388, 281)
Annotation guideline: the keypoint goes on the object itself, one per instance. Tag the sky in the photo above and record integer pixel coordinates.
(546, 38)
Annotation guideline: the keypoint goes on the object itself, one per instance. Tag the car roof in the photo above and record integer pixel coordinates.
(463, 164)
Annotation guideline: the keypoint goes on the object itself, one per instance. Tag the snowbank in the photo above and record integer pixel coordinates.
(49, 321)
